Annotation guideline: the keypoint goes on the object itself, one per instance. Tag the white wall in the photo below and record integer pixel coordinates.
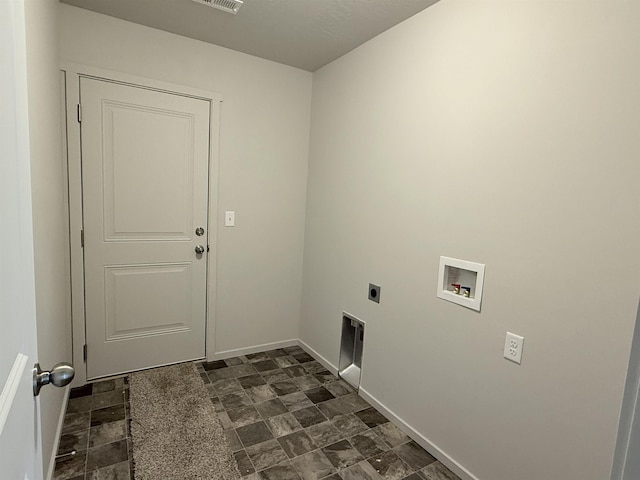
(263, 162)
(50, 227)
(503, 133)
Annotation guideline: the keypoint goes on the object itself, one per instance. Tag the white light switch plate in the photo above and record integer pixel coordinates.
(513, 347)
(229, 219)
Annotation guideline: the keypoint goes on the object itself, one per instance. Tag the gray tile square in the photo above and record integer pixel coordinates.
(342, 455)
(75, 422)
(73, 441)
(104, 386)
(339, 388)
(391, 434)
(324, 434)
(349, 425)
(257, 357)
(271, 408)
(284, 387)
(325, 377)
(261, 393)
(313, 367)
(360, 471)
(265, 365)
(313, 465)
(309, 416)
(215, 365)
(107, 399)
(232, 362)
(118, 471)
(371, 417)
(254, 434)
(414, 455)
(319, 394)
(283, 425)
(251, 381)
(273, 376)
(355, 402)
(80, 404)
(107, 433)
(306, 382)
(266, 454)
(295, 371)
(334, 408)
(284, 471)
(389, 466)
(235, 400)
(108, 454)
(220, 374)
(70, 466)
(296, 401)
(368, 443)
(106, 415)
(228, 385)
(297, 443)
(243, 370)
(303, 357)
(437, 471)
(242, 416)
(286, 361)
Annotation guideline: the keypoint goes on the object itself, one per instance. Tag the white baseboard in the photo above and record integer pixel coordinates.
(421, 440)
(254, 349)
(56, 442)
(327, 364)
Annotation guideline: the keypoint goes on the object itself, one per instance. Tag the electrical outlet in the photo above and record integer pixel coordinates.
(513, 347)
(374, 293)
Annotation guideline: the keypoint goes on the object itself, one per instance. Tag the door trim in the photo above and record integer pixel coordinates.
(73, 73)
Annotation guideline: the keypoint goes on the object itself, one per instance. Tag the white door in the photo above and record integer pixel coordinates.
(145, 192)
(20, 455)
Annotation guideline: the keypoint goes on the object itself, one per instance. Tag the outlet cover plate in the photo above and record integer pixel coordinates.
(374, 293)
(513, 345)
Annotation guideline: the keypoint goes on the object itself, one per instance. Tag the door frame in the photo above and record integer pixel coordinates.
(72, 74)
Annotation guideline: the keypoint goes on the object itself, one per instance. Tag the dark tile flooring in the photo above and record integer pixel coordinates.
(95, 442)
(285, 417)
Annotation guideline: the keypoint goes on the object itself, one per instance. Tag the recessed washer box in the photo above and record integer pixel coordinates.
(461, 276)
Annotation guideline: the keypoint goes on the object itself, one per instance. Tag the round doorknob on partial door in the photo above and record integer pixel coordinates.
(199, 249)
(60, 375)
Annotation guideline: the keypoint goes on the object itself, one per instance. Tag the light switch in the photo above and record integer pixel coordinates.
(229, 219)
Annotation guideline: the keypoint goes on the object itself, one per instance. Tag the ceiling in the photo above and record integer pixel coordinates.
(306, 34)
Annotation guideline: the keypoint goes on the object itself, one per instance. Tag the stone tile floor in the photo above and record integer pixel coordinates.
(285, 417)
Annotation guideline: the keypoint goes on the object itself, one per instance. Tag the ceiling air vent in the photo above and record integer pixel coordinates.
(230, 6)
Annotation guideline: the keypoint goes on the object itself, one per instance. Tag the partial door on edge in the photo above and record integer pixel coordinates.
(145, 158)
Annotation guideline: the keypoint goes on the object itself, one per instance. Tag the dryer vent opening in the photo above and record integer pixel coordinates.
(351, 348)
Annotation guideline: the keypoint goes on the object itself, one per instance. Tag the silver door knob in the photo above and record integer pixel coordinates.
(199, 249)
(60, 375)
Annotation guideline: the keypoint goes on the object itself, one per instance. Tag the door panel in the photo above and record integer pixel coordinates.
(145, 191)
(20, 454)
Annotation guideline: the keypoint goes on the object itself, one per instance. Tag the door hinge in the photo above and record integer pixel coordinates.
(82, 238)
(84, 353)
(79, 113)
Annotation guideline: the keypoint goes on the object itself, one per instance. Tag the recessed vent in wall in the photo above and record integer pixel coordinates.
(230, 6)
